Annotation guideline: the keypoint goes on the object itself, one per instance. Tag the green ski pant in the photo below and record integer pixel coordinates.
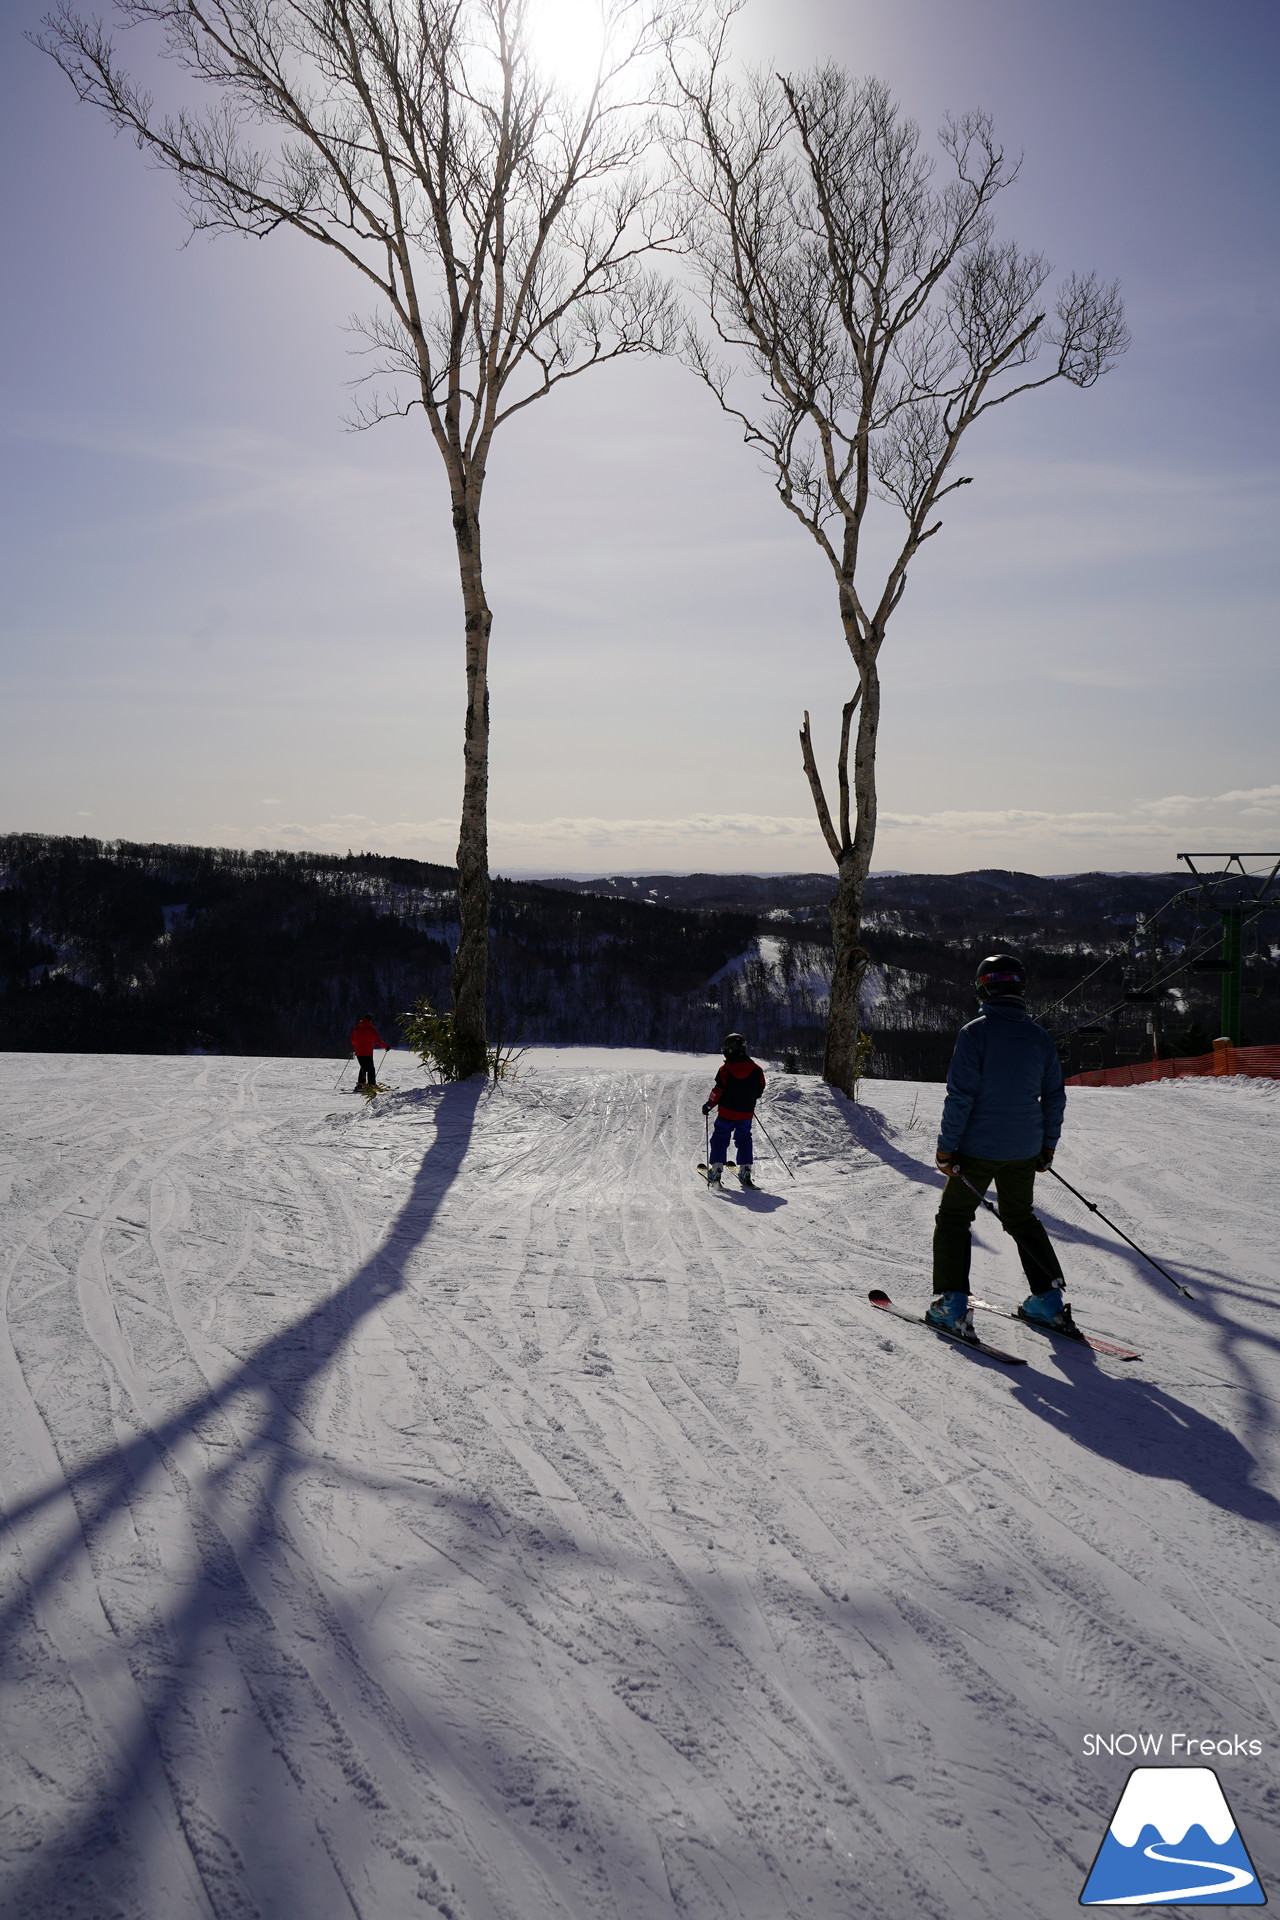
(1015, 1185)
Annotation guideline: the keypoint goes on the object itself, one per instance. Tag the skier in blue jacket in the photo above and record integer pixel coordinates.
(1001, 1121)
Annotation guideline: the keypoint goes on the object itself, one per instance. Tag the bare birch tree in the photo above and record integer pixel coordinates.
(501, 222)
(884, 319)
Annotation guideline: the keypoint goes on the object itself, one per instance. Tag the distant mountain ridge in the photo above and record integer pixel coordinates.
(926, 931)
(140, 947)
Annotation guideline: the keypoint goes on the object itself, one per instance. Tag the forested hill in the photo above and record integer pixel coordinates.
(1092, 941)
(137, 948)
(129, 947)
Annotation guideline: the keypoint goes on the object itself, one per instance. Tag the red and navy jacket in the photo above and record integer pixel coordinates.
(738, 1086)
(364, 1038)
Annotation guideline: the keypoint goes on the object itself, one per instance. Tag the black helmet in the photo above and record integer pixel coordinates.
(734, 1046)
(1001, 976)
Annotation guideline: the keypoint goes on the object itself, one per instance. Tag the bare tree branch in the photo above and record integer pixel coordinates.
(842, 769)
(502, 225)
(815, 787)
(866, 316)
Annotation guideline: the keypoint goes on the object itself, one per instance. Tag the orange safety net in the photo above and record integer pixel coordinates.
(1260, 1063)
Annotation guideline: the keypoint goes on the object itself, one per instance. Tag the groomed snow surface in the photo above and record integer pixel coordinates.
(454, 1507)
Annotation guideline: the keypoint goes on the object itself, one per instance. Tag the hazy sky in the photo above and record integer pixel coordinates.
(228, 621)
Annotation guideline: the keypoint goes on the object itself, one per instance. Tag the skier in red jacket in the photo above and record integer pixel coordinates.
(739, 1084)
(364, 1038)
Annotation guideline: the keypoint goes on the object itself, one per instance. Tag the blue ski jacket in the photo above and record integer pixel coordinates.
(1005, 1095)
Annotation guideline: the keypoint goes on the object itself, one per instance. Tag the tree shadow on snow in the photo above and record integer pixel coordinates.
(238, 1549)
(871, 1130)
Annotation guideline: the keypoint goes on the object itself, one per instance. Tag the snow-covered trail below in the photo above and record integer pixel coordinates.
(454, 1506)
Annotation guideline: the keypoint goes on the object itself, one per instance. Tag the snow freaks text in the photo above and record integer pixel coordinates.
(1224, 1747)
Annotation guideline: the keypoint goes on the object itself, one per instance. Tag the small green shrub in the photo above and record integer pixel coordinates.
(431, 1035)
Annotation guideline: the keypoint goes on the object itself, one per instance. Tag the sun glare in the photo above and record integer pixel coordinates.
(567, 37)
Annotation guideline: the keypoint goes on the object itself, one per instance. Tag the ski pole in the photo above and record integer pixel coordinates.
(991, 1207)
(381, 1064)
(981, 1198)
(773, 1143)
(707, 1118)
(1123, 1235)
(346, 1063)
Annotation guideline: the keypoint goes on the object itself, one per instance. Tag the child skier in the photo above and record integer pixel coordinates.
(1001, 1121)
(739, 1084)
(364, 1038)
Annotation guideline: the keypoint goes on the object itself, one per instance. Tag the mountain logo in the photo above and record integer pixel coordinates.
(1172, 1841)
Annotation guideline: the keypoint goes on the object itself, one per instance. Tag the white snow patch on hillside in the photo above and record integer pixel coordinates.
(453, 1507)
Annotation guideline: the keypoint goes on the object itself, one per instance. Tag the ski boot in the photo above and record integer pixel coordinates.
(715, 1173)
(1048, 1309)
(743, 1171)
(951, 1312)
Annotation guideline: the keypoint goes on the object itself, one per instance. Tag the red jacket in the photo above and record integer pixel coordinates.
(738, 1086)
(364, 1038)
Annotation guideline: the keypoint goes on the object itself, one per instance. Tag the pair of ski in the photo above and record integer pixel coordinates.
(880, 1299)
(748, 1186)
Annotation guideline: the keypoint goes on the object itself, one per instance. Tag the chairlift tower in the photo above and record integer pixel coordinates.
(1239, 896)
(1142, 985)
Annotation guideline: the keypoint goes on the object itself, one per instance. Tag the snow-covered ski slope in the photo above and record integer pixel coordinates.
(454, 1507)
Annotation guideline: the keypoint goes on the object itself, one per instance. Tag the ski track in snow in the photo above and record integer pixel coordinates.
(453, 1506)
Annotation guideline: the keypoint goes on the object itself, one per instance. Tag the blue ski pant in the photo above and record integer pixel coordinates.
(1015, 1186)
(741, 1134)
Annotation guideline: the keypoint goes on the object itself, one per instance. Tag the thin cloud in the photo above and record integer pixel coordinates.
(1261, 801)
(951, 837)
(695, 829)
